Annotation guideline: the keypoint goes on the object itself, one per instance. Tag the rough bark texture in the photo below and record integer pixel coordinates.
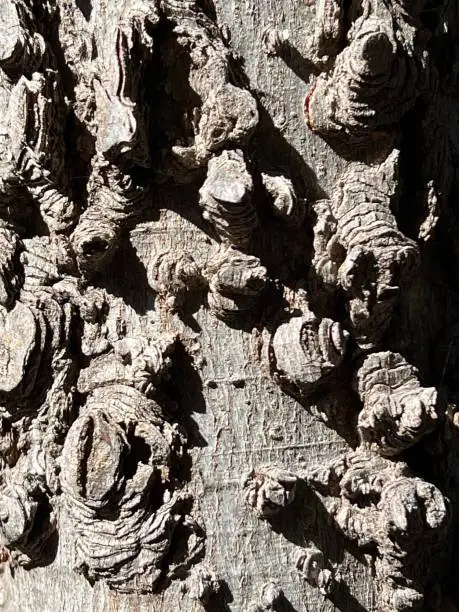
(228, 305)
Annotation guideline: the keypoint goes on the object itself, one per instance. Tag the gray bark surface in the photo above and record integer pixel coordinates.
(235, 414)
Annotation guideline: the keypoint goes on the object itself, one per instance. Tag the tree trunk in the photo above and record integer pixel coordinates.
(228, 305)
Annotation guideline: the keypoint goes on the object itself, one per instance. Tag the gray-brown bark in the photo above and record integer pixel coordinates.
(228, 305)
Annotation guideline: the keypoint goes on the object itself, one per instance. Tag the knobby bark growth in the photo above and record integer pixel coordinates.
(228, 304)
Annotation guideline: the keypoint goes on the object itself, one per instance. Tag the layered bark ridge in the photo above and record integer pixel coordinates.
(109, 116)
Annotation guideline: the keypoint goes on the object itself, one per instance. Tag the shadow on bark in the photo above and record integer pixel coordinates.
(126, 277)
(219, 601)
(85, 7)
(307, 521)
(186, 392)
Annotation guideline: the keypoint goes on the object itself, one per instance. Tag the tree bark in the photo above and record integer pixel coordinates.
(244, 305)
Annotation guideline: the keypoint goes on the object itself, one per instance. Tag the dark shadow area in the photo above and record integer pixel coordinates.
(126, 277)
(427, 460)
(365, 146)
(174, 104)
(301, 517)
(218, 602)
(186, 549)
(431, 14)
(79, 150)
(284, 251)
(191, 305)
(208, 8)
(85, 7)
(25, 215)
(337, 406)
(182, 200)
(43, 537)
(185, 390)
(416, 162)
(79, 142)
(445, 466)
(324, 300)
(427, 316)
(283, 605)
(307, 520)
(343, 599)
(333, 400)
(68, 79)
(273, 152)
(300, 65)
(250, 315)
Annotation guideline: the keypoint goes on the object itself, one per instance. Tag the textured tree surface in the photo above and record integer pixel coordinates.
(228, 305)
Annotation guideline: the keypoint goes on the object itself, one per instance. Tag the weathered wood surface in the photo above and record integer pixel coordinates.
(236, 414)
